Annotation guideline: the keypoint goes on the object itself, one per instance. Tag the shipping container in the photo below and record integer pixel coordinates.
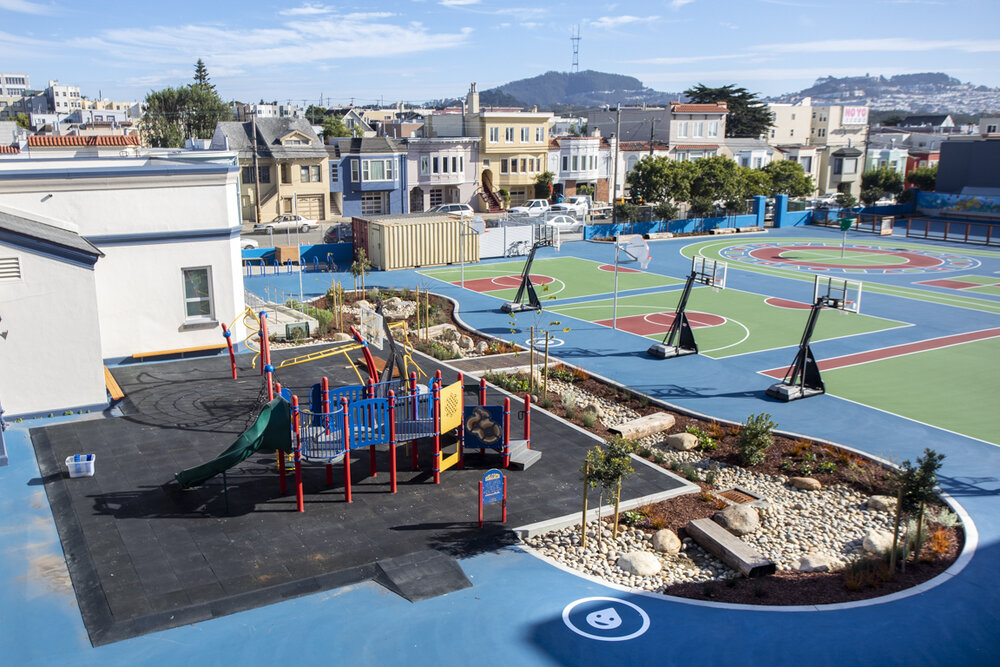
(416, 240)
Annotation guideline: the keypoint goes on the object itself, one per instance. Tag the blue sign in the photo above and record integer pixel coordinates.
(483, 427)
(316, 403)
(605, 619)
(493, 483)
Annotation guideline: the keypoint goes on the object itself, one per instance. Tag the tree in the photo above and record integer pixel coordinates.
(22, 120)
(660, 179)
(748, 116)
(877, 183)
(543, 185)
(924, 178)
(316, 114)
(174, 114)
(754, 183)
(201, 76)
(846, 200)
(717, 180)
(358, 269)
(333, 126)
(916, 489)
(607, 467)
(788, 178)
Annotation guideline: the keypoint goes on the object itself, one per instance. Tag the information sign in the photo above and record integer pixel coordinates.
(493, 482)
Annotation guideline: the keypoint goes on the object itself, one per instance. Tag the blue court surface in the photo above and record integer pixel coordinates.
(524, 611)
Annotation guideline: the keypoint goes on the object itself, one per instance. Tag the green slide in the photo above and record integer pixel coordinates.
(272, 430)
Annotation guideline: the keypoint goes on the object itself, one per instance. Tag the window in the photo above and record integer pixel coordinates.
(713, 128)
(373, 203)
(494, 135)
(457, 164)
(436, 164)
(525, 135)
(682, 128)
(377, 170)
(425, 164)
(437, 196)
(793, 116)
(576, 164)
(696, 155)
(699, 129)
(682, 156)
(265, 174)
(247, 175)
(850, 165)
(565, 163)
(772, 134)
(744, 161)
(10, 268)
(508, 135)
(503, 166)
(513, 166)
(991, 129)
(758, 162)
(197, 293)
(486, 164)
(286, 173)
(524, 165)
(286, 204)
(540, 134)
(334, 173)
(593, 162)
(309, 174)
(355, 171)
(444, 164)
(807, 163)
(791, 132)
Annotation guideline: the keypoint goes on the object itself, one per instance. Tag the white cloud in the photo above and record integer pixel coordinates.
(686, 60)
(307, 9)
(616, 21)
(677, 4)
(764, 74)
(883, 44)
(459, 3)
(26, 7)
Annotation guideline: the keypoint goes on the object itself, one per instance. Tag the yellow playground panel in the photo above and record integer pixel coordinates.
(451, 418)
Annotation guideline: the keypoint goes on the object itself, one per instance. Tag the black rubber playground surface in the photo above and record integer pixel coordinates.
(144, 555)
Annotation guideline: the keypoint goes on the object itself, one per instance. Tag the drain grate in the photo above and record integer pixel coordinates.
(737, 497)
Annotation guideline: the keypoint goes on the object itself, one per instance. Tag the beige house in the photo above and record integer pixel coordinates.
(792, 124)
(842, 134)
(292, 167)
(513, 144)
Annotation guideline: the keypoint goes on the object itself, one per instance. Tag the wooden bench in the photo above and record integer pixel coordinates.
(180, 351)
(732, 551)
(114, 390)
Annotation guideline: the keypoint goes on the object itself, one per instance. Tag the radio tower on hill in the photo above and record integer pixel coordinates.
(576, 49)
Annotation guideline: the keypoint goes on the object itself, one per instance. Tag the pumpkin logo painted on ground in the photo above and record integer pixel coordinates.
(483, 426)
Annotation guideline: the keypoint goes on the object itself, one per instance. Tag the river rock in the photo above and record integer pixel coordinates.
(592, 406)
(482, 347)
(466, 342)
(877, 542)
(641, 563)
(805, 483)
(682, 442)
(882, 503)
(738, 519)
(454, 348)
(666, 541)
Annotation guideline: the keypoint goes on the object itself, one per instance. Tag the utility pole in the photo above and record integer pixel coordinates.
(614, 186)
(256, 173)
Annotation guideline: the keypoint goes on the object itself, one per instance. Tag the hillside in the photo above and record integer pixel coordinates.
(578, 89)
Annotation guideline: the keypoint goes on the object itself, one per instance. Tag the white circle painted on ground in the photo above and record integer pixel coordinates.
(605, 619)
(540, 342)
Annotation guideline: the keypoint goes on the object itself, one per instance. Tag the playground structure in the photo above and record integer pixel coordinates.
(545, 236)
(679, 340)
(803, 379)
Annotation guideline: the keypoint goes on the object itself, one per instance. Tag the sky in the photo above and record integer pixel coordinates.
(417, 50)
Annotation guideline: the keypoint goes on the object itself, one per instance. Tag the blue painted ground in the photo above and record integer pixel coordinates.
(512, 615)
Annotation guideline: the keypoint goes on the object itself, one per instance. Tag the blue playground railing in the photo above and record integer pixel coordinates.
(321, 435)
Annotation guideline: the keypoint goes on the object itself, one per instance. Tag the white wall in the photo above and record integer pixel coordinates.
(139, 282)
(51, 359)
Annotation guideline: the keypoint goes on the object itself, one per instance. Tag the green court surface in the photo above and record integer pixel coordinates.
(555, 278)
(832, 254)
(914, 385)
(727, 322)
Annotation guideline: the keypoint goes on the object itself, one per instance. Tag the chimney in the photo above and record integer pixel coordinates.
(472, 99)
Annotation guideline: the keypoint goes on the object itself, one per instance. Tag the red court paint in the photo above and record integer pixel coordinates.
(786, 303)
(621, 269)
(913, 260)
(656, 323)
(893, 351)
(948, 284)
(501, 282)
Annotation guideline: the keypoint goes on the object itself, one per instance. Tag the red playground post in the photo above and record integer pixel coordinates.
(325, 401)
(347, 451)
(228, 335)
(371, 424)
(299, 500)
(437, 426)
(392, 441)
(527, 421)
(480, 503)
(461, 425)
(267, 370)
(414, 462)
(506, 433)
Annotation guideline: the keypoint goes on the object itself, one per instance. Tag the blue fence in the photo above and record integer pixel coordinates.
(673, 226)
(315, 257)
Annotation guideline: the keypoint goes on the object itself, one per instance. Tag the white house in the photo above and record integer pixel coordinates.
(169, 232)
(50, 336)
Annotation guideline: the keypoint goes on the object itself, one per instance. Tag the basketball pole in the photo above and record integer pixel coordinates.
(614, 307)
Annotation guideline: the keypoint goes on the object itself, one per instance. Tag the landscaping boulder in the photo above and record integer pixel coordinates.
(592, 406)
(393, 302)
(815, 562)
(658, 422)
(482, 347)
(877, 542)
(666, 541)
(454, 348)
(738, 519)
(466, 342)
(449, 333)
(363, 303)
(805, 483)
(641, 563)
(340, 337)
(682, 442)
(882, 503)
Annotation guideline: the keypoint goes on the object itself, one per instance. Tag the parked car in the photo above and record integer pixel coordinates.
(341, 233)
(288, 221)
(576, 205)
(248, 244)
(565, 223)
(532, 208)
(451, 208)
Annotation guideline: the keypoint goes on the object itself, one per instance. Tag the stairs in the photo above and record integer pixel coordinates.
(492, 200)
(522, 458)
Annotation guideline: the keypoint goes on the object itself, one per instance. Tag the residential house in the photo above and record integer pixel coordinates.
(747, 152)
(356, 123)
(804, 154)
(284, 167)
(696, 130)
(892, 157)
(441, 170)
(922, 158)
(63, 146)
(637, 123)
(576, 161)
(513, 146)
(841, 132)
(368, 176)
(14, 84)
(245, 112)
(791, 123)
(989, 125)
(63, 99)
(934, 122)
(402, 129)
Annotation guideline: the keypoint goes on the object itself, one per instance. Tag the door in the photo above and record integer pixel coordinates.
(311, 206)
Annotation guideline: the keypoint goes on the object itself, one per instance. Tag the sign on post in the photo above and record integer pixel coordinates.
(493, 489)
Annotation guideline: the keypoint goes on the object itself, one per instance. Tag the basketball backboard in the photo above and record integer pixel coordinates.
(838, 293)
(709, 272)
(371, 327)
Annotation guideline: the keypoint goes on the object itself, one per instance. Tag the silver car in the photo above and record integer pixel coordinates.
(288, 221)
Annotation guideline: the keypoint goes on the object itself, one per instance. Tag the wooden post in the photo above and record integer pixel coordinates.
(618, 499)
(545, 373)
(583, 522)
(895, 532)
(427, 315)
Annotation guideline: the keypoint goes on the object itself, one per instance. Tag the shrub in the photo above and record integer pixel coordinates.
(516, 384)
(710, 477)
(939, 542)
(828, 467)
(943, 517)
(569, 404)
(705, 441)
(687, 471)
(589, 418)
(716, 430)
(631, 518)
(546, 402)
(755, 438)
